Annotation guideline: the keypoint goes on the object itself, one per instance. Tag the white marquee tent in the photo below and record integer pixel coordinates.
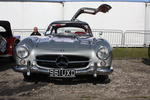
(124, 15)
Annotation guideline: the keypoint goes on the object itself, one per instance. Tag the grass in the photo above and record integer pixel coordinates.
(130, 53)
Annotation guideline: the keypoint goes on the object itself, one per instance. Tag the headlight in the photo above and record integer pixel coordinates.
(103, 53)
(22, 52)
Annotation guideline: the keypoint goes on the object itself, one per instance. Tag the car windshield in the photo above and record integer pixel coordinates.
(68, 31)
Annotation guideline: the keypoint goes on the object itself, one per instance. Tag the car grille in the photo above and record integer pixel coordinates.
(65, 61)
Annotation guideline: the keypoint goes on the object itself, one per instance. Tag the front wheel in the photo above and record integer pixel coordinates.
(31, 77)
(103, 78)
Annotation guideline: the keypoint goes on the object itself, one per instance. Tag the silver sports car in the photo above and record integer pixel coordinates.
(68, 49)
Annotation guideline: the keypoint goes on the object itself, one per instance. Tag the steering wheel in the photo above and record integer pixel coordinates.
(3, 44)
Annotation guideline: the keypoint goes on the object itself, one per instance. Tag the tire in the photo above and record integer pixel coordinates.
(103, 78)
(149, 51)
(3, 44)
(14, 46)
(35, 77)
(32, 77)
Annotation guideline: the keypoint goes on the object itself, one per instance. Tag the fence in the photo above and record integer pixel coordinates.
(129, 38)
(117, 38)
(112, 36)
(136, 38)
(23, 33)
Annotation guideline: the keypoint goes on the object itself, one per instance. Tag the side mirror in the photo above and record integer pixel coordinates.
(103, 8)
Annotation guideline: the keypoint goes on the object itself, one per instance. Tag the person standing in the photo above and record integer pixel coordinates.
(35, 32)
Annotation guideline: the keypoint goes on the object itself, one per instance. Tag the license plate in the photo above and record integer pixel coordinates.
(62, 73)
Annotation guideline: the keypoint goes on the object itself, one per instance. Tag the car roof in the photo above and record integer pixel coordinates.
(6, 25)
(77, 23)
(69, 22)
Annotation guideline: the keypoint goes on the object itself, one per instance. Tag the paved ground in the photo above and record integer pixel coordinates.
(129, 81)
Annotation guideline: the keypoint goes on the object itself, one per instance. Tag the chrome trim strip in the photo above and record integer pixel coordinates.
(86, 71)
(46, 61)
(70, 62)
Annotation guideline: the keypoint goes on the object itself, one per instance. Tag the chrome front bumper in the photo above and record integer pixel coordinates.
(84, 71)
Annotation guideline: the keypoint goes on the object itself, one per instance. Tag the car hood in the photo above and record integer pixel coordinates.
(57, 43)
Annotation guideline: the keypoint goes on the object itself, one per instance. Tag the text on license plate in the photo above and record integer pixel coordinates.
(62, 73)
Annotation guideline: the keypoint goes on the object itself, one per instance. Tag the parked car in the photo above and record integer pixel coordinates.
(7, 41)
(149, 51)
(68, 49)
